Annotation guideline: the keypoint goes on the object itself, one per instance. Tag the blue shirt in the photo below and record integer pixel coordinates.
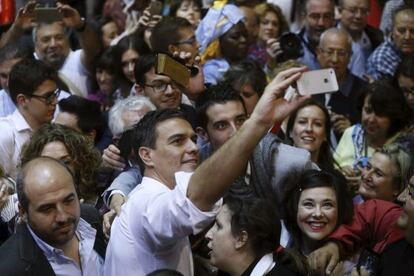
(7, 106)
(384, 60)
(91, 263)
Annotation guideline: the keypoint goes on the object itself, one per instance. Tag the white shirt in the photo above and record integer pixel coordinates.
(152, 230)
(14, 132)
(7, 106)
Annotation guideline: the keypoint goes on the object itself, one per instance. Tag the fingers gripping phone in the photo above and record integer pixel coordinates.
(317, 82)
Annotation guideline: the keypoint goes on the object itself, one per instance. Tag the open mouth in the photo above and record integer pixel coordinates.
(316, 225)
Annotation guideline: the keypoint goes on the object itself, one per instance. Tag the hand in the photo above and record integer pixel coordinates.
(324, 259)
(25, 18)
(273, 48)
(116, 202)
(108, 218)
(272, 107)
(353, 177)
(111, 158)
(339, 122)
(363, 272)
(71, 17)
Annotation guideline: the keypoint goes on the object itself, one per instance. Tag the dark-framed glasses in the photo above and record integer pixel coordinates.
(160, 87)
(48, 97)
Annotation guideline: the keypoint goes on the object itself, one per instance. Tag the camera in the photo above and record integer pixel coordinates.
(291, 47)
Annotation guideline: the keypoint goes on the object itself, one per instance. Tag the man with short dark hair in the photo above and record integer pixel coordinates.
(172, 202)
(33, 88)
(384, 60)
(82, 115)
(52, 239)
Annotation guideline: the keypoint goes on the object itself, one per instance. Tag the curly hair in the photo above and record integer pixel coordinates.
(86, 159)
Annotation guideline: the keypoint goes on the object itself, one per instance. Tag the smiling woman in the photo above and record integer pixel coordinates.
(314, 204)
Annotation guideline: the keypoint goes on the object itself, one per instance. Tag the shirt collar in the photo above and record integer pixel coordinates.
(19, 121)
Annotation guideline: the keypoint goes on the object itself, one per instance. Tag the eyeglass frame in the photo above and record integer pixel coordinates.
(318, 16)
(47, 99)
(339, 53)
(172, 84)
(190, 41)
(408, 90)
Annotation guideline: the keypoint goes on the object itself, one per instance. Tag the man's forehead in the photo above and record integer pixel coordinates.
(151, 76)
(48, 29)
(173, 126)
(225, 110)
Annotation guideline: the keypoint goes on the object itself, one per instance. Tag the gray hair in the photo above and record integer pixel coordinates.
(41, 24)
(115, 122)
(336, 31)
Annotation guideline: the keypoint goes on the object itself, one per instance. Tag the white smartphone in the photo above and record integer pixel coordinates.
(317, 82)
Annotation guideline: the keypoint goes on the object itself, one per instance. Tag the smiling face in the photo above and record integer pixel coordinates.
(378, 179)
(190, 11)
(374, 125)
(51, 44)
(222, 243)
(309, 131)
(319, 17)
(354, 15)
(317, 213)
(169, 98)
(269, 26)
(175, 150)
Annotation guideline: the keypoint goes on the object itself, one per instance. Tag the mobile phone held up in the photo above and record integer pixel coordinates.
(317, 82)
(47, 14)
(155, 8)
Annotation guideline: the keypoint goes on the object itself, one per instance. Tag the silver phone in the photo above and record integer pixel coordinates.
(317, 82)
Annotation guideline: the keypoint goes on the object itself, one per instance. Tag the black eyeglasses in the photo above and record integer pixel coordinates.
(48, 97)
(161, 87)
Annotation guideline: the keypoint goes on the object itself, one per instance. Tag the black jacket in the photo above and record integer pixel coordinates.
(20, 255)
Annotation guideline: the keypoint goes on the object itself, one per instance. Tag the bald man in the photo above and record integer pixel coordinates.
(335, 51)
(53, 239)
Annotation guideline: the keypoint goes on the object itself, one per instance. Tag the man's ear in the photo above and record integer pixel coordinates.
(202, 134)
(139, 90)
(146, 156)
(241, 240)
(22, 212)
(21, 99)
(173, 48)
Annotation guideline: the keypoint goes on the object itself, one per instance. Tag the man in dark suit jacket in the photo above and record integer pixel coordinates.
(335, 51)
(51, 211)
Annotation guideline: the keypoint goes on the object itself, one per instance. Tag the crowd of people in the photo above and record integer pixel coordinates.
(144, 137)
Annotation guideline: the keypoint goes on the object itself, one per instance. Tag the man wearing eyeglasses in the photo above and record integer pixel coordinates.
(335, 51)
(33, 88)
(384, 60)
(354, 15)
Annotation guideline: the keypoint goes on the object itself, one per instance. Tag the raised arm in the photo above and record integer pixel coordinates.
(24, 20)
(215, 175)
(88, 38)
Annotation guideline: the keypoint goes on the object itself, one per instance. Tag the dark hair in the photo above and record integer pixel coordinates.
(247, 72)
(167, 32)
(15, 50)
(86, 158)
(325, 158)
(165, 272)
(387, 100)
(21, 176)
(129, 42)
(27, 75)
(299, 180)
(263, 231)
(106, 60)
(143, 65)
(145, 132)
(220, 93)
(406, 67)
(176, 4)
(88, 113)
